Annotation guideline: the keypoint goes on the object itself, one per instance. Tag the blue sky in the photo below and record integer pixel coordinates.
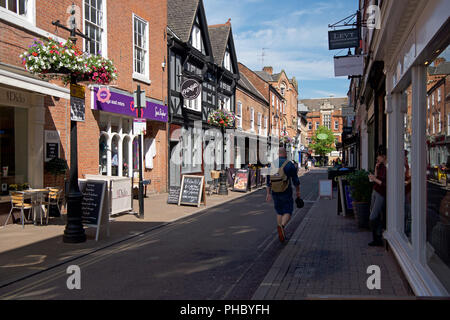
(295, 33)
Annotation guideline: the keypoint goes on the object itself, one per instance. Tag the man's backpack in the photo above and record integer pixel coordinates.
(279, 182)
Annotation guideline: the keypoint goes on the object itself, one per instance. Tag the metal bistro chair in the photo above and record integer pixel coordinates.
(18, 203)
(52, 199)
(38, 200)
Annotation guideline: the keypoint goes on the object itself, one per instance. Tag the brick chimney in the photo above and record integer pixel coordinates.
(269, 70)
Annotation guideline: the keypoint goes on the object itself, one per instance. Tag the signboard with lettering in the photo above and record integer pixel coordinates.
(348, 66)
(190, 89)
(106, 99)
(191, 190)
(77, 111)
(139, 126)
(241, 181)
(92, 202)
(174, 195)
(342, 39)
(325, 188)
(14, 98)
(52, 144)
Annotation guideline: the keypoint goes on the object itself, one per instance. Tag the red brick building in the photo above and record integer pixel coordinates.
(325, 112)
(35, 114)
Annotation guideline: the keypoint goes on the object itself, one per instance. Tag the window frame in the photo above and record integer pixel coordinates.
(104, 34)
(143, 77)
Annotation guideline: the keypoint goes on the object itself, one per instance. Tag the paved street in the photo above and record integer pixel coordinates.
(222, 253)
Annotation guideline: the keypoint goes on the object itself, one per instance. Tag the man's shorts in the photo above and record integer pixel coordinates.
(284, 202)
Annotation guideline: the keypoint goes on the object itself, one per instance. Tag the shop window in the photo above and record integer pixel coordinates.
(438, 198)
(125, 157)
(407, 167)
(103, 155)
(14, 146)
(135, 154)
(115, 156)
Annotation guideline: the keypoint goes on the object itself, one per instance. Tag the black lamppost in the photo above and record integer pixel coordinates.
(223, 190)
(139, 115)
(74, 231)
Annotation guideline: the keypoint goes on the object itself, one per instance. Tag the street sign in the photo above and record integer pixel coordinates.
(342, 39)
(139, 126)
(190, 89)
(143, 99)
(77, 106)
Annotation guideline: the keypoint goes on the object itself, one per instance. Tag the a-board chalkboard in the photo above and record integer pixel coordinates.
(241, 181)
(191, 190)
(325, 188)
(174, 195)
(92, 203)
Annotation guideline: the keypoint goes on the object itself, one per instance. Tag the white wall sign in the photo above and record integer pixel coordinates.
(348, 66)
(52, 145)
(14, 98)
(325, 188)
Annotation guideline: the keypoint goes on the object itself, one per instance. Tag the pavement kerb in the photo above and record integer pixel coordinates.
(126, 238)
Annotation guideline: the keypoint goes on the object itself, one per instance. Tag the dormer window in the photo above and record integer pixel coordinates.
(227, 61)
(196, 38)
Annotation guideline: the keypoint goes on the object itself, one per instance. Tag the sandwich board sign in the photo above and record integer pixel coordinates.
(92, 204)
(192, 191)
(325, 188)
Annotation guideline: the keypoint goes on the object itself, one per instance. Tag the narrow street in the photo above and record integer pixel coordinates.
(221, 253)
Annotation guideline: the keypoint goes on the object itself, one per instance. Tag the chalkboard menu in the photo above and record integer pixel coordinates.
(191, 190)
(52, 150)
(241, 181)
(92, 203)
(174, 195)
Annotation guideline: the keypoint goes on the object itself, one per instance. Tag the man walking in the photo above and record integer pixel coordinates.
(280, 189)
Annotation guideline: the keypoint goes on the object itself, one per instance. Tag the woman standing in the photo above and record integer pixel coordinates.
(378, 199)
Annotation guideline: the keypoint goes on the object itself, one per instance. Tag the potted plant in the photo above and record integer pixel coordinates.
(361, 191)
(221, 118)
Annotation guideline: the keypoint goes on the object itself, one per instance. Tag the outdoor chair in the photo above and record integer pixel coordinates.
(52, 199)
(18, 203)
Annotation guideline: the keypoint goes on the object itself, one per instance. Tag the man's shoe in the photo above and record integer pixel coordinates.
(376, 243)
(281, 235)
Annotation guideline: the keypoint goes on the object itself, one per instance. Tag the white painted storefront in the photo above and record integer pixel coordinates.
(413, 34)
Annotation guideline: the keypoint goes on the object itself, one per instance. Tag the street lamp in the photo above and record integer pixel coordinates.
(223, 190)
(74, 231)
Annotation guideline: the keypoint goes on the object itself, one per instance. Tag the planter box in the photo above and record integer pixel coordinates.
(362, 214)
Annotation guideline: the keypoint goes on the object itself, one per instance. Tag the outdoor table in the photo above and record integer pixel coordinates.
(37, 203)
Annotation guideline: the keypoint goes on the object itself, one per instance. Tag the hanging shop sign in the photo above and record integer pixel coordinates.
(348, 66)
(342, 39)
(77, 106)
(190, 89)
(107, 100)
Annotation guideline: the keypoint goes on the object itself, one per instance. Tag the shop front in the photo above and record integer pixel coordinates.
(118, 140)
(418, 220)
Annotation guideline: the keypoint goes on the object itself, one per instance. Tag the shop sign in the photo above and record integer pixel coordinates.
(77, 106)
(342, 39)
(139, 126)
(52, 144)
(14, 98)
(348, 65)
(190, 89)
(112, 101)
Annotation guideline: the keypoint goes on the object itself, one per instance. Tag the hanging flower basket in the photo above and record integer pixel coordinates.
(221, 118)
(51, 59)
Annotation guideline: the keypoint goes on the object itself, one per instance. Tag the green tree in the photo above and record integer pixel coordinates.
(323, 141)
